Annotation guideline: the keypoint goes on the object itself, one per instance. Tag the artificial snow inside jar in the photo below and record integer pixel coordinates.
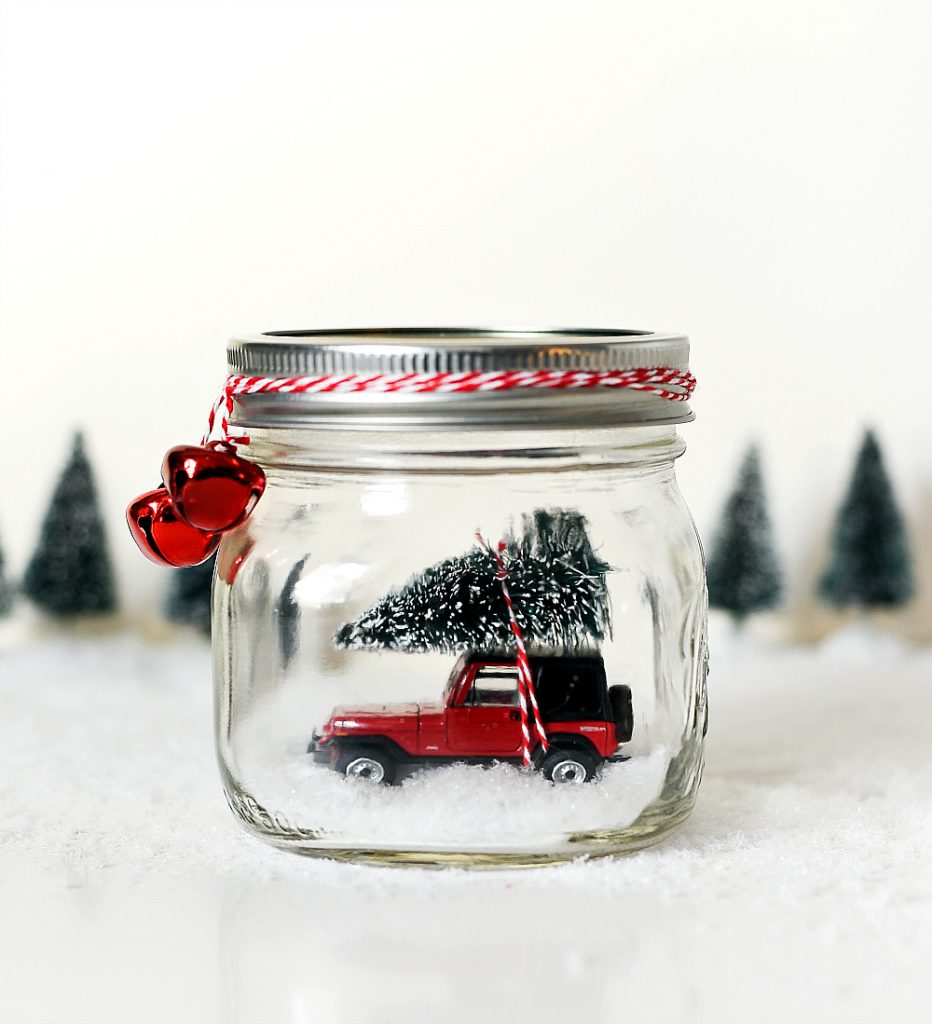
(465, 621)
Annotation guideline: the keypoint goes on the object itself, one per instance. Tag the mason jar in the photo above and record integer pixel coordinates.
(466, 622)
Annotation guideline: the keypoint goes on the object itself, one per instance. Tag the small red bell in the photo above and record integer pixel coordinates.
(164, 538)
(211, 489)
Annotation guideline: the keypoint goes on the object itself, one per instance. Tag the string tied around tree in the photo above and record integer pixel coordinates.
(527, 693)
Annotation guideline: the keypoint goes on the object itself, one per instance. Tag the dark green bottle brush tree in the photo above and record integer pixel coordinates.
(70, 573)
(869, 565)
(7, 590)
(743, 570)
(556, 581)
(188, 599)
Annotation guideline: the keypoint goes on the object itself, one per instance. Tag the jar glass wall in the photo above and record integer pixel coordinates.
(340, 732)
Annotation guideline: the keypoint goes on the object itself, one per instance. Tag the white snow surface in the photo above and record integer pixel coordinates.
(800, 890)
(501, 807)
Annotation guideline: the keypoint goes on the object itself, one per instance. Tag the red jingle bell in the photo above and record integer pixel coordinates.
(211, 489)
(164, 538)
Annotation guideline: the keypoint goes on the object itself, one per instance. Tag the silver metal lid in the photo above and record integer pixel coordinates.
(455, 350)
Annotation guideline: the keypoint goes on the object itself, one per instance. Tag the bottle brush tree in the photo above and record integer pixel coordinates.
(743, 571)
(869, 565)
(7, 591)
(70, 572)
(188, 597)
(288, 615)
(555, 578)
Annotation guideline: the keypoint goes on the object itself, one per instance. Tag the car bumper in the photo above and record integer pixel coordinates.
(322, 751)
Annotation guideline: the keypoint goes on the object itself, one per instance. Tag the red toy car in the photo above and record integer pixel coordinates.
(479, 722)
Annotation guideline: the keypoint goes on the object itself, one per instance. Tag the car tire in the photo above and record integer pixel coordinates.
(367, 765)
(622, 711)
(569, 767)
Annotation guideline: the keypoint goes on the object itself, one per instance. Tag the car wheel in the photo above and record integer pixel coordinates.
(568, 767)
(367, 765)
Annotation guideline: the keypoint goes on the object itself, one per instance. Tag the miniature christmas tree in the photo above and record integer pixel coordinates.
(7, 591)
(870, 561)
(70, 572)
(744, 575)
(556, 581)
(188, 599)
(288, 613)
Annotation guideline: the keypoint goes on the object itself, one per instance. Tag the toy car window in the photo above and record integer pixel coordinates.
(568, 690)
(496, 686)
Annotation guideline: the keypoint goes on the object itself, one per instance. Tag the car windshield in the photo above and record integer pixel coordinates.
(454, 678)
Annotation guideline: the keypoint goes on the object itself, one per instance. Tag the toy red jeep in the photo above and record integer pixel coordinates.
(479, 722)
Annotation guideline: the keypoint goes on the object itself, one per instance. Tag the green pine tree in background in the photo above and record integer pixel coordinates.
(70, 572)
(870, 564)
(743, 571)
(556, 582)
(188, 598)
(288, 614)
(7, 590)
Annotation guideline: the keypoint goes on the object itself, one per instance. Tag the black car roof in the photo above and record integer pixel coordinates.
(502, 658)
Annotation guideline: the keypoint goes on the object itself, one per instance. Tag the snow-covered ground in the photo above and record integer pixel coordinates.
(801, 889)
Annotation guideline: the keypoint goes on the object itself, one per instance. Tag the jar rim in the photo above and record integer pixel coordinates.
(457, 350)
(375, 334)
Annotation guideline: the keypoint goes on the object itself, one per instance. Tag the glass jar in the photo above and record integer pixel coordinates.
(372, 701)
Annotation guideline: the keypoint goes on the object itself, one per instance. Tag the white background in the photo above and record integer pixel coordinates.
(757, 176)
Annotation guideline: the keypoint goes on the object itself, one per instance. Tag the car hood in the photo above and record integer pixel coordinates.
(367, 712)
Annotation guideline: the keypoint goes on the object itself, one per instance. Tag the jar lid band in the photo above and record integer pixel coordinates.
(430, 378)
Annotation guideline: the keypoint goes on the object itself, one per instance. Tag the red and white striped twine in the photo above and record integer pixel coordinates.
(666, 382)
(527, 692)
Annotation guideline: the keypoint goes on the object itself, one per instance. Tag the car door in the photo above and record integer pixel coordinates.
(487, 721)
